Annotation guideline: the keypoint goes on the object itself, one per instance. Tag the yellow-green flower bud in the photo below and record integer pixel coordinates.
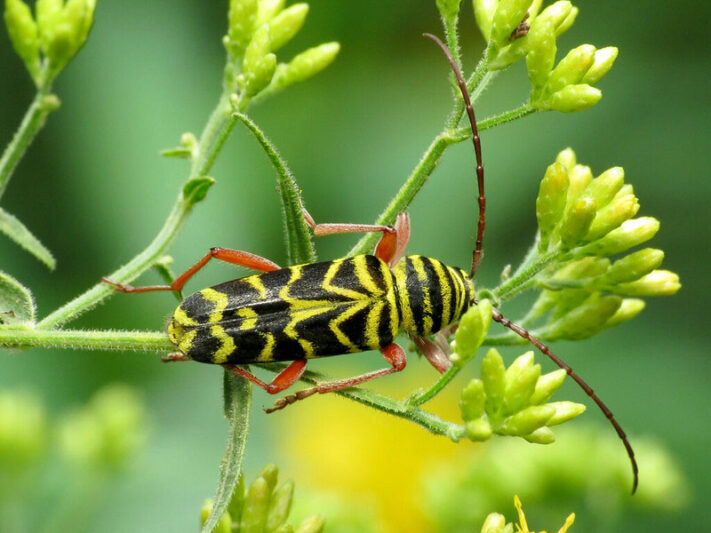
(23, 432)
(508, 15)
(224, 525)
(572, 98)
(306, 64)
(629, 309)
(479, 430)
(541, 436)
(577, 221)
(565, 24)
(472, 401)
(256, 504)
(527, 420)
(267, 10)
(580, 177)
(472, 330)
(449, 9)
(564, 411)
(561, 14)
(279, 506)
(656, 283)
(63, 28)
(551, 201)
(312, 524)
(571, 68)
(567, 158)
(633, 266)
(622, 207)
(493, 371)
(541, 56)
(585, 320)
(242, 18)
(484, 13)
(259, 64)
(271, 474)
(630, 233)
(23, 34)
(546, 386)
(80, 14)
(604, 188)
(520, 382)
(604, 58)
(495, 523)
(286, 24)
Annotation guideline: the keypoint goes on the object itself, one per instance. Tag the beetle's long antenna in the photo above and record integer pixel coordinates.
(496, 315)
(477, 148)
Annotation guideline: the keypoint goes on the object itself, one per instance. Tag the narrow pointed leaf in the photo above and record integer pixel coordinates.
(299, 243)
(17, 231)
(238, 397)
(16, 303)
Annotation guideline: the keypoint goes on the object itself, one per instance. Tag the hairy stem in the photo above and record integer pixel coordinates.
(215, 132)
(33, 121)
(81, 339)
(429, 421)
(523, 277)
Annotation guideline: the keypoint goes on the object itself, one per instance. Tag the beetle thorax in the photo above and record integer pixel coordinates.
(432, 295)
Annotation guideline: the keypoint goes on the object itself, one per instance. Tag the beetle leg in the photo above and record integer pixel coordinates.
(236, 257)
(394, 355)
(285, 379)
(173, 357)
(434, 353)
(392, 244)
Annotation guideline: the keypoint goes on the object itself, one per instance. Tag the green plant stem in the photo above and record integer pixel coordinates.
(215, 132)
(523, 277)
(407, 192)
(80, 339)
(465, 132)
(437, 387)
(35, 117)
(429, 421)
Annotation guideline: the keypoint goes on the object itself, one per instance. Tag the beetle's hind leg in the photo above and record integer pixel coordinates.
(394, 355)
(392, 244)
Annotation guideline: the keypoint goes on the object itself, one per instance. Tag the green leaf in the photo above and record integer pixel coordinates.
(17, 231)
(16, 303)
(196, 189)
(238, 397)
(299, 243)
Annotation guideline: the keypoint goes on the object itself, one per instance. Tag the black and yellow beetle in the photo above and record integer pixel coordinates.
(335, 307)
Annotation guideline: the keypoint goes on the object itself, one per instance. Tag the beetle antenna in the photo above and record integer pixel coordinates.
(477, 149)
(496, 315)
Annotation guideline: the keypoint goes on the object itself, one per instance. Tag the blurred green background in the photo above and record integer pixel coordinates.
(95, 191)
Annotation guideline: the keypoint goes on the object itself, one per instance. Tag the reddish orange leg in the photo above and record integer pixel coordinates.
(236, 257)
(173, 357)
(285, 379)
(392, 244)
(394, 355)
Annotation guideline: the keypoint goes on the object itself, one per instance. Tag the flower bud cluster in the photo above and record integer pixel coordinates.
(496, 523)
(48, 41)
(106, 433)
(589, 219)
(515, 29)
(257, 29)
(263, 506)
(513, 401)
